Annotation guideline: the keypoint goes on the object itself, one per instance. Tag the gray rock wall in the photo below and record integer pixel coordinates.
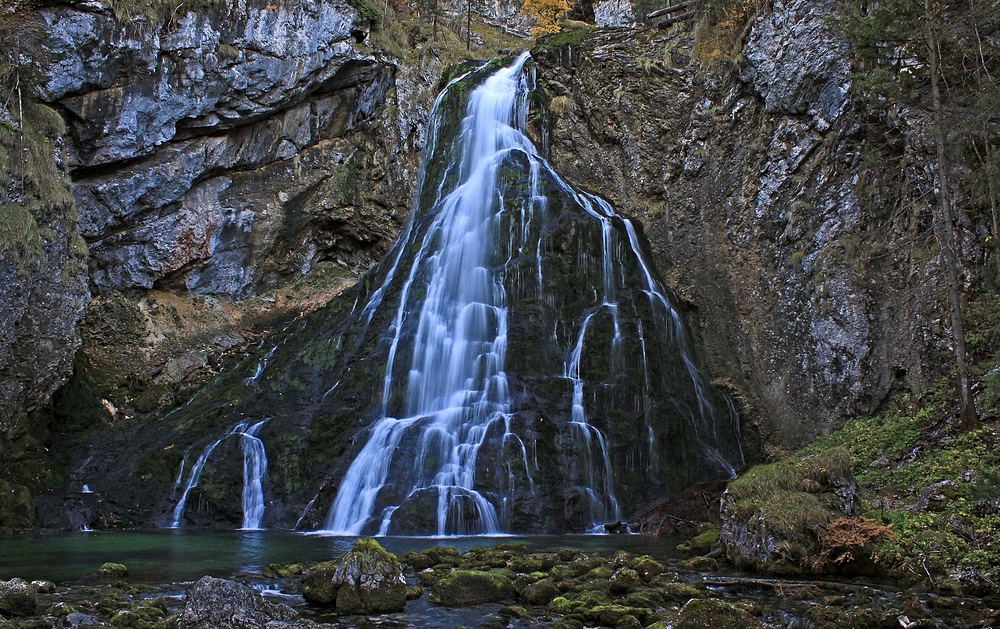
(228, 151)
(811, 297)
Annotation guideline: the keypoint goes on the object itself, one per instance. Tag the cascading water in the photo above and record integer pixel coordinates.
(520, 314)
(254, 473)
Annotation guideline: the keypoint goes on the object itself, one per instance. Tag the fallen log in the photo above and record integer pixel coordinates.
(671, 9)
(675, 19)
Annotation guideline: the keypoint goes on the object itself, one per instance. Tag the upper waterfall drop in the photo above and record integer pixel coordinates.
(523, 332)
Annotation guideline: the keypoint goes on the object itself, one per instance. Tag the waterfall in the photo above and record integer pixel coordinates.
(254, 470)
(478, 277)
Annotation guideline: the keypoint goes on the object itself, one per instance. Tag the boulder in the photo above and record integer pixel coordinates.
(223, 604)
(463, 588)
(17, 598)
(365, 580)
(540, 593)
(110, 569)
(709, 612)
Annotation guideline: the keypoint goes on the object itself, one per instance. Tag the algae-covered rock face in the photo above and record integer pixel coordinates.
(365, 580)
(462, 588)
(17, 598)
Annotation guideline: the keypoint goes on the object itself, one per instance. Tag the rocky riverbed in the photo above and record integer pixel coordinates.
(505, 586)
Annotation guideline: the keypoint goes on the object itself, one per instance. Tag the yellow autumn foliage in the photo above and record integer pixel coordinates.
(546, 14)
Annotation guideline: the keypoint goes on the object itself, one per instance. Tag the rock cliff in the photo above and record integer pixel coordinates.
(810, 277)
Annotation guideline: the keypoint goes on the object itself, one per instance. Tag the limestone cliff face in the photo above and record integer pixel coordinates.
(222, 151)
(807, 287)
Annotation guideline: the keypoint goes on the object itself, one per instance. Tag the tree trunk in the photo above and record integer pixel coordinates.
(946, 232)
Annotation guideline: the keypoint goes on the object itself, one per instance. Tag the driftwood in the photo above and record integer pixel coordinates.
(672, 9)
(675, 19)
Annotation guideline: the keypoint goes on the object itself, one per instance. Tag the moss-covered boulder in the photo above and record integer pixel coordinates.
(540, 593)
(463, 588)
(623, 581)
(773, 514)
(711, 612)
(702, 542)
(111, 569)
(646, 567)
(17, 598)
(611, 615)
(366, 580)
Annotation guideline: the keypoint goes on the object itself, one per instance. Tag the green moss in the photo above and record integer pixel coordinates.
(570, 37)
(463, 588)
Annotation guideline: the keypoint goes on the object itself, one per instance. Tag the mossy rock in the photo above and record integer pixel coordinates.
(701, 564)
(513, 548)
(514, 611)
(413, 593)
(711, 612)
(701, 543)
(611, 615)
(527, 564)
(463, 588)
(623, 581)
(562, 605)
(680, 592)
(366, 580)
(600, 572)
(442, 554)
(282, 570)
(111, 569)
(17, 598)
(417, 561)
(540, 593)
(646, 567)
(629, 622)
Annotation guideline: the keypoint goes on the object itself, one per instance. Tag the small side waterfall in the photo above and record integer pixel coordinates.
(521, 314)
(254, 473)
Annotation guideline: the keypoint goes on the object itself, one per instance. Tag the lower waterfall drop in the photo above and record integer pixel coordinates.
(537, 377)
(254, 471)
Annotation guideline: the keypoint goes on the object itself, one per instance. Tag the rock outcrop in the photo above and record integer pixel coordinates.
(761, 212)
(207, 151)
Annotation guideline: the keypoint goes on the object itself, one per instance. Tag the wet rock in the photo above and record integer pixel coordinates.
(540, 593)
(611, 615)
(17, 598)
(463, 588)
(680, 592)
(413, 593)
(646, 567)
(701, 564)
(111, 569)
(365, 580)
(44, 587)
(701, 613)
(624, 580)
(223, 604)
